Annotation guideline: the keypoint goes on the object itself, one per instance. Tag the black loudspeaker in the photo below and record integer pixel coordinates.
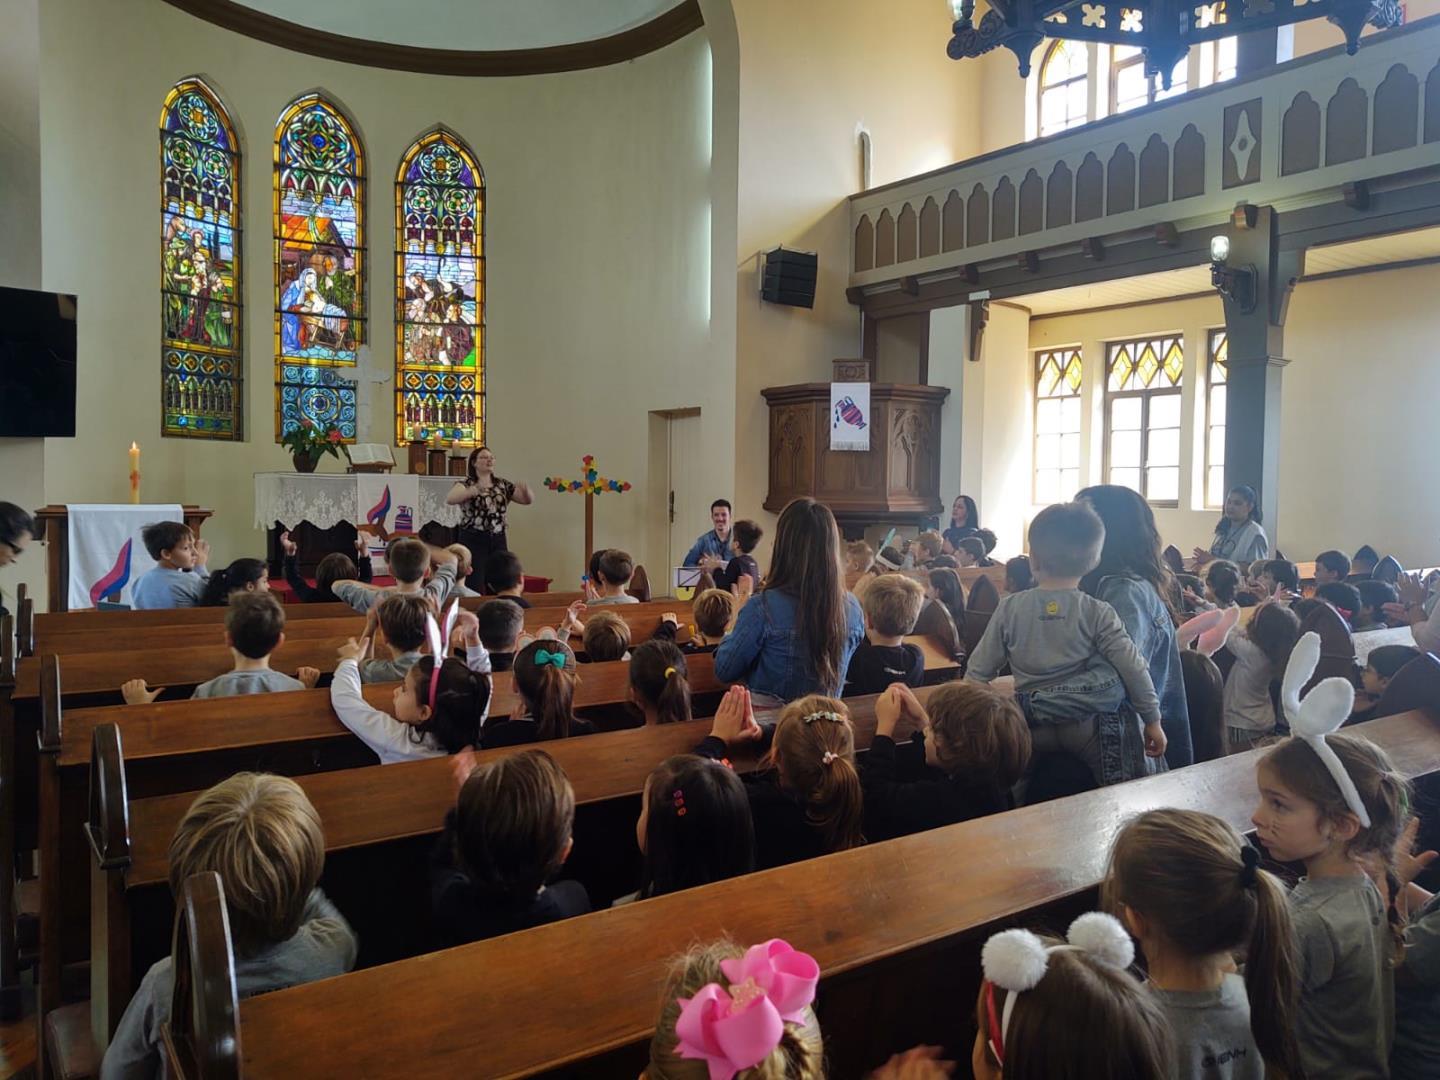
(789, 277)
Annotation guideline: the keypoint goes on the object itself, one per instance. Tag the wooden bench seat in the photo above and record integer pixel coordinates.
(377, 819)
(896, 928)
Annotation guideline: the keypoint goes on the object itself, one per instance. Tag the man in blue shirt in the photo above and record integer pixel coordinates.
(712, 551)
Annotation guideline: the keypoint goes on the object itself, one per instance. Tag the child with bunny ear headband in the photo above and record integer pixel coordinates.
(1335, 803)
(1067, 1010)
(438, 707)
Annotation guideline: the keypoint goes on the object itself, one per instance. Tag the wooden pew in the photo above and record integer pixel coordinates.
(1414, 686)
(371, 815)
(896, 928)
(968, 576)
(10, 989)
(1337, 650)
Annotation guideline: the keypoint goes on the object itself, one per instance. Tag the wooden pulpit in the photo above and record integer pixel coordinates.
(896, 481)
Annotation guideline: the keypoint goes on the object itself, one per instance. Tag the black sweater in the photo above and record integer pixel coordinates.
(311, 594)
(904, 795)
(463, 915)
(503, 731)
(874, 667)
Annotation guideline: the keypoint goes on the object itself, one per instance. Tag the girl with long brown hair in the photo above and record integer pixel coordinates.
(545, 679)
(1193, 894)
(796, 636)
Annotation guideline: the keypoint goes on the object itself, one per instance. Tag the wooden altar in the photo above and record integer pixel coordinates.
(896, 481)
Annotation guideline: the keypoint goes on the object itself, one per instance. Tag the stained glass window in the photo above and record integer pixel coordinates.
(439, 293)
(1217, 376)
(202, 388)
(1142, 416)
(1064, 87)
(1057, 425)
(320, 316)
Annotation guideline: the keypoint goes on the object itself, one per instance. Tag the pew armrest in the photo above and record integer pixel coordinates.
(202, 1036)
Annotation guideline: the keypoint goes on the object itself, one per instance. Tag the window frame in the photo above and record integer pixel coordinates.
(1039, 358)
(1212, 350)
(1146, 395)
(1041, 87)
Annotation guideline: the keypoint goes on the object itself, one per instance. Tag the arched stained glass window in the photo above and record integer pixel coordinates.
(1064, 87)
(320, 316)
(202, 391)
(439, 293)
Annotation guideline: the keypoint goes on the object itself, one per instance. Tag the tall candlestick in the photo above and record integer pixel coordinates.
(134, 473)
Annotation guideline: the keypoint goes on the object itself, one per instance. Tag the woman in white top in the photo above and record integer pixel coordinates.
(1239, 536)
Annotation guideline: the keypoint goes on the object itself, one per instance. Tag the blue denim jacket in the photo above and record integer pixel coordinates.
(1150, 626)
(709, 544)
(765, 651)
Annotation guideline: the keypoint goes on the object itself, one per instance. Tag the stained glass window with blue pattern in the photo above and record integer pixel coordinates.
(319, 210)
(201, 380)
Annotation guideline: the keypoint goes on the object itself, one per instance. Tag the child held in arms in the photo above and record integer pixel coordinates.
(180, 573)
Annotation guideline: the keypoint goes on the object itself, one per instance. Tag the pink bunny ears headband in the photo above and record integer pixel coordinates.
(736, 1030)
(1209, 630)
(437, 643)
(1320, 713)
(1016, 961)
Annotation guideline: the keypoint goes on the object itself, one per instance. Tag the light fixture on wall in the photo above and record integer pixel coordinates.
(1162, 30)
(1236, 284)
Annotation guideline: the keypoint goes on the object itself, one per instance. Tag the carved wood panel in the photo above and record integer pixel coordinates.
(1154, 172)
(1190, 163)
(1032, 203)
(1059, 194)
(929, 228)
(864, 244)
(1300, 136)
(1089, 189)
(1002, 211)
(953, 238)
(1120, 182)
(885, 240)
(1346, 124)
(914, 450)
(1397, 111)
(905, 235)
(792, 442)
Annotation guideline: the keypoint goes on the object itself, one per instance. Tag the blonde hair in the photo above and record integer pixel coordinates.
(462, 556)
(980, 735)
(262, 836)
(606, 636)
(892, 603)
(799, 1056)
(858, 556)
(713, 610)
(812, 729)
(931, 542)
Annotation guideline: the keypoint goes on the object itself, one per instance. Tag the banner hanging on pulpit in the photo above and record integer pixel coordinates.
(107, 553)
(850, 416)
(385, 505)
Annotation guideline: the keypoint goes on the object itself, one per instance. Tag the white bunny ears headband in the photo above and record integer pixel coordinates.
(437, 643)
(1016, 961)
(1323, 710)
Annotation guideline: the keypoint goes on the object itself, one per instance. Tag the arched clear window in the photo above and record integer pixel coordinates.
(439, 293)
(201, 371)
(1064, 87)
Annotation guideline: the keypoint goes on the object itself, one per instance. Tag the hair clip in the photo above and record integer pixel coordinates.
(829, 756)
(1321, 713)
(810, 718)
(736, 1029)
(669, 671)
(554, 659)
(1016, 961)
(678, 795)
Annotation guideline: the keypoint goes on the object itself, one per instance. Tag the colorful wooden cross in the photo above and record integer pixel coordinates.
(592, 484)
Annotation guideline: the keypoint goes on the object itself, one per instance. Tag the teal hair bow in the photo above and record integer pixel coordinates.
(542, 657)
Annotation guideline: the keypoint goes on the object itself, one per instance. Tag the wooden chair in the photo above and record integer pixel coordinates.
(935, 623)
(202, 1036)
(1414, 686)
(1173, 559)
(1337, 650)
(1388, 570)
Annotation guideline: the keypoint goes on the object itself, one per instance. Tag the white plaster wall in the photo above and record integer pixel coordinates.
(598, 245)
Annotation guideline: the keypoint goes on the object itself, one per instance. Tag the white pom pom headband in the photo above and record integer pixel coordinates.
(1016, 961)
(1322, 711)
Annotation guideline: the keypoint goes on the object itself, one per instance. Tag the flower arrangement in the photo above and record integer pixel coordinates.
(309, 441)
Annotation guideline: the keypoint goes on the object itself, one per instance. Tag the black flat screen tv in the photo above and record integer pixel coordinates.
(37, 363)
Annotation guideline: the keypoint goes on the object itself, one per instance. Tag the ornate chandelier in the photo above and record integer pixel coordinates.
(1164, 29)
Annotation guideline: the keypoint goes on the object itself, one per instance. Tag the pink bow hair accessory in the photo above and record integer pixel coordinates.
(729, 1033)
(788, 977)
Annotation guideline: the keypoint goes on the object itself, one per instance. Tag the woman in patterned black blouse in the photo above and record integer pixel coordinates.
(485, 497)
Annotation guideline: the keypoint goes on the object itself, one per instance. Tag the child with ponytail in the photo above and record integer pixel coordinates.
(659, 682)
(438, 711)
(806, 801)
(1067, 1010)
(1191, 891)
(544, 679)
(242, 575)
(1335, 803)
